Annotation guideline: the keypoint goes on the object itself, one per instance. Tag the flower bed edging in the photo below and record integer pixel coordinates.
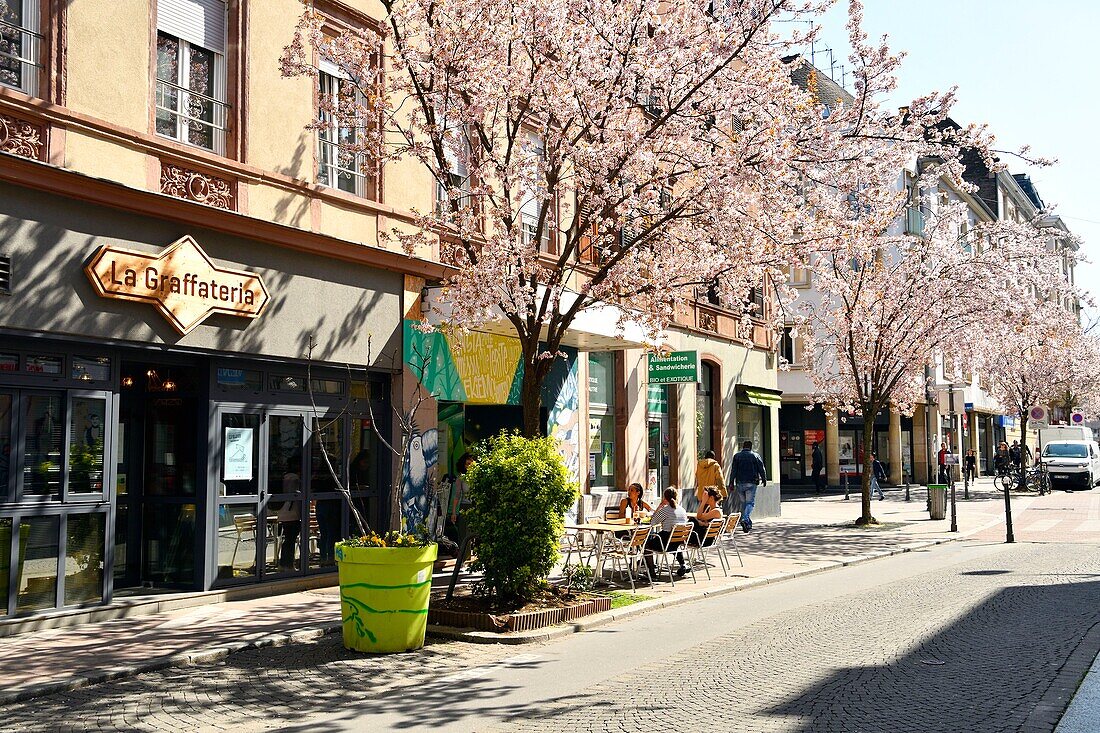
(526, 621)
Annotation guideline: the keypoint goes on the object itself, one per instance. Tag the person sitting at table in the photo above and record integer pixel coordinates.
(668, 514)
(633, 503)
(709, 509)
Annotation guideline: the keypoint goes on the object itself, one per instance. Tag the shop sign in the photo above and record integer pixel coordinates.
(677, 367)
(181, 282)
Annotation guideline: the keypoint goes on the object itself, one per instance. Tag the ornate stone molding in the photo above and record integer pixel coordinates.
(203, 188)
(708, 321)
(22, 138)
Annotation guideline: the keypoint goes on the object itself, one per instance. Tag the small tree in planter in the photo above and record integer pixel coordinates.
(520, 489)
(385, 578)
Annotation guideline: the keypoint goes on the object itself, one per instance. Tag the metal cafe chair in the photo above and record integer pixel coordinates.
(628, 553)
(698, 552)
(728, 538)
(677, 540)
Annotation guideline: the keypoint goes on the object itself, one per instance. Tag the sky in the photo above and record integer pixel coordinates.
(1027, 69)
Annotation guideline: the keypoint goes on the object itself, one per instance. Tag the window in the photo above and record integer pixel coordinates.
(787, 346)
(20, 45)
(800, 277)
(755, 301)
(532, 207)
(601, 421)
(191, 74)
(704, 404)
(456, 151)
(340, 165)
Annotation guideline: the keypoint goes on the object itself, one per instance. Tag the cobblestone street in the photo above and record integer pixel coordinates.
(902, 644)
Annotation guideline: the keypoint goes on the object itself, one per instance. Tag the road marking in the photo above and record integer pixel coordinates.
(1090, 525)
(1043, 525)
(1094, 509)
(474, 673)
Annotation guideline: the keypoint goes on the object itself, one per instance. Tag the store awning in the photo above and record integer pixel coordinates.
(762, 397)
(596, 328)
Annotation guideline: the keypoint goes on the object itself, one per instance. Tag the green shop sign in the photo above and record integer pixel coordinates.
(675, 368)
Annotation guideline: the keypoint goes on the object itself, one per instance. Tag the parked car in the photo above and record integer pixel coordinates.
(1072, 463)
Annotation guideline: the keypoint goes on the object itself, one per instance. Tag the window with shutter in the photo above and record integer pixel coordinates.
(191, 72)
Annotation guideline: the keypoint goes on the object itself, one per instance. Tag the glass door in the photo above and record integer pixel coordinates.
(243, 535)
(282, 510)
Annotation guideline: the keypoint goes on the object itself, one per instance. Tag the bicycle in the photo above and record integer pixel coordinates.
(1039, 478)
(1008, 476)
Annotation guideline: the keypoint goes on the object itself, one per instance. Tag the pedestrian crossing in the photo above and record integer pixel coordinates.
(1072, 520)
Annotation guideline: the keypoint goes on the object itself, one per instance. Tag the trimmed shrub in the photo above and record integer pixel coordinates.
(519, 491)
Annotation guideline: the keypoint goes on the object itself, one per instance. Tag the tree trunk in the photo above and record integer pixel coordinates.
(534, 372)
(868, 469)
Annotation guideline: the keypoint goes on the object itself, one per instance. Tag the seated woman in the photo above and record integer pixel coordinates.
(633, 503)
(709, 509)
(669, 513)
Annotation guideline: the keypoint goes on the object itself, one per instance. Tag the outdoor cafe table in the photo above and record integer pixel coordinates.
(601, 528)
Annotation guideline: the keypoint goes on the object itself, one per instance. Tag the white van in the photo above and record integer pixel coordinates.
(1073, 464)
(1064, 432)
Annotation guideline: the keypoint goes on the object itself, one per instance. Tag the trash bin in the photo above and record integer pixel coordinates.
(937, 501)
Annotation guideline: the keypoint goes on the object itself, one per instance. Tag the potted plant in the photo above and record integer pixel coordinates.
(385, 584)
(385, 578)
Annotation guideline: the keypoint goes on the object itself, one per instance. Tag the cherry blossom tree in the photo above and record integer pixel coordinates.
(1039, 360)
(894, 303)
(615, 151)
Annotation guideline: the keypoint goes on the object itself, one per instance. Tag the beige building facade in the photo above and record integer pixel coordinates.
(196, 306)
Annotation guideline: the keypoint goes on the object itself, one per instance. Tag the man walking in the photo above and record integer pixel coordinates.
(818, 465)
(746, 473)
(878, 473)
(708, 473)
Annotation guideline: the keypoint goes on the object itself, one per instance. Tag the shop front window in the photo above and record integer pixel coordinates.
(601, 453)
(750, 426)
(6, 524)
(239, 534)
(327, 441)
(601, 425)
(36, 573)
(44, 429)
(170, 543)
(84, 558)
(7, 401)
(86, 443)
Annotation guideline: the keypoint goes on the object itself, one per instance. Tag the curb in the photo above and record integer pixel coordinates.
(206, 655)
(1055, 701)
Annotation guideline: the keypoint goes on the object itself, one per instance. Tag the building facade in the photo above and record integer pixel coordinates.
(202, 332)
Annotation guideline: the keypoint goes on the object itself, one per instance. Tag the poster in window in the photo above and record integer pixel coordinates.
(606, 460)
(238, 454)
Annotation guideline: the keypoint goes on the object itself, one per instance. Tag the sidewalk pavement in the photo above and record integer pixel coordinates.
(813, 535)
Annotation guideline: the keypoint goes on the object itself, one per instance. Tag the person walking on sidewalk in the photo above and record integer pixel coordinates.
(708, 473)
(817, 462)
(746, 473)
(970, 467)
(942, 460)
(878, 473)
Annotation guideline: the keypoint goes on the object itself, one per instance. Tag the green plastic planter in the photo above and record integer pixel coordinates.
(384, 595)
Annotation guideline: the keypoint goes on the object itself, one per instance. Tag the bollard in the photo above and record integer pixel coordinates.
(844, 481)
(907, 477)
